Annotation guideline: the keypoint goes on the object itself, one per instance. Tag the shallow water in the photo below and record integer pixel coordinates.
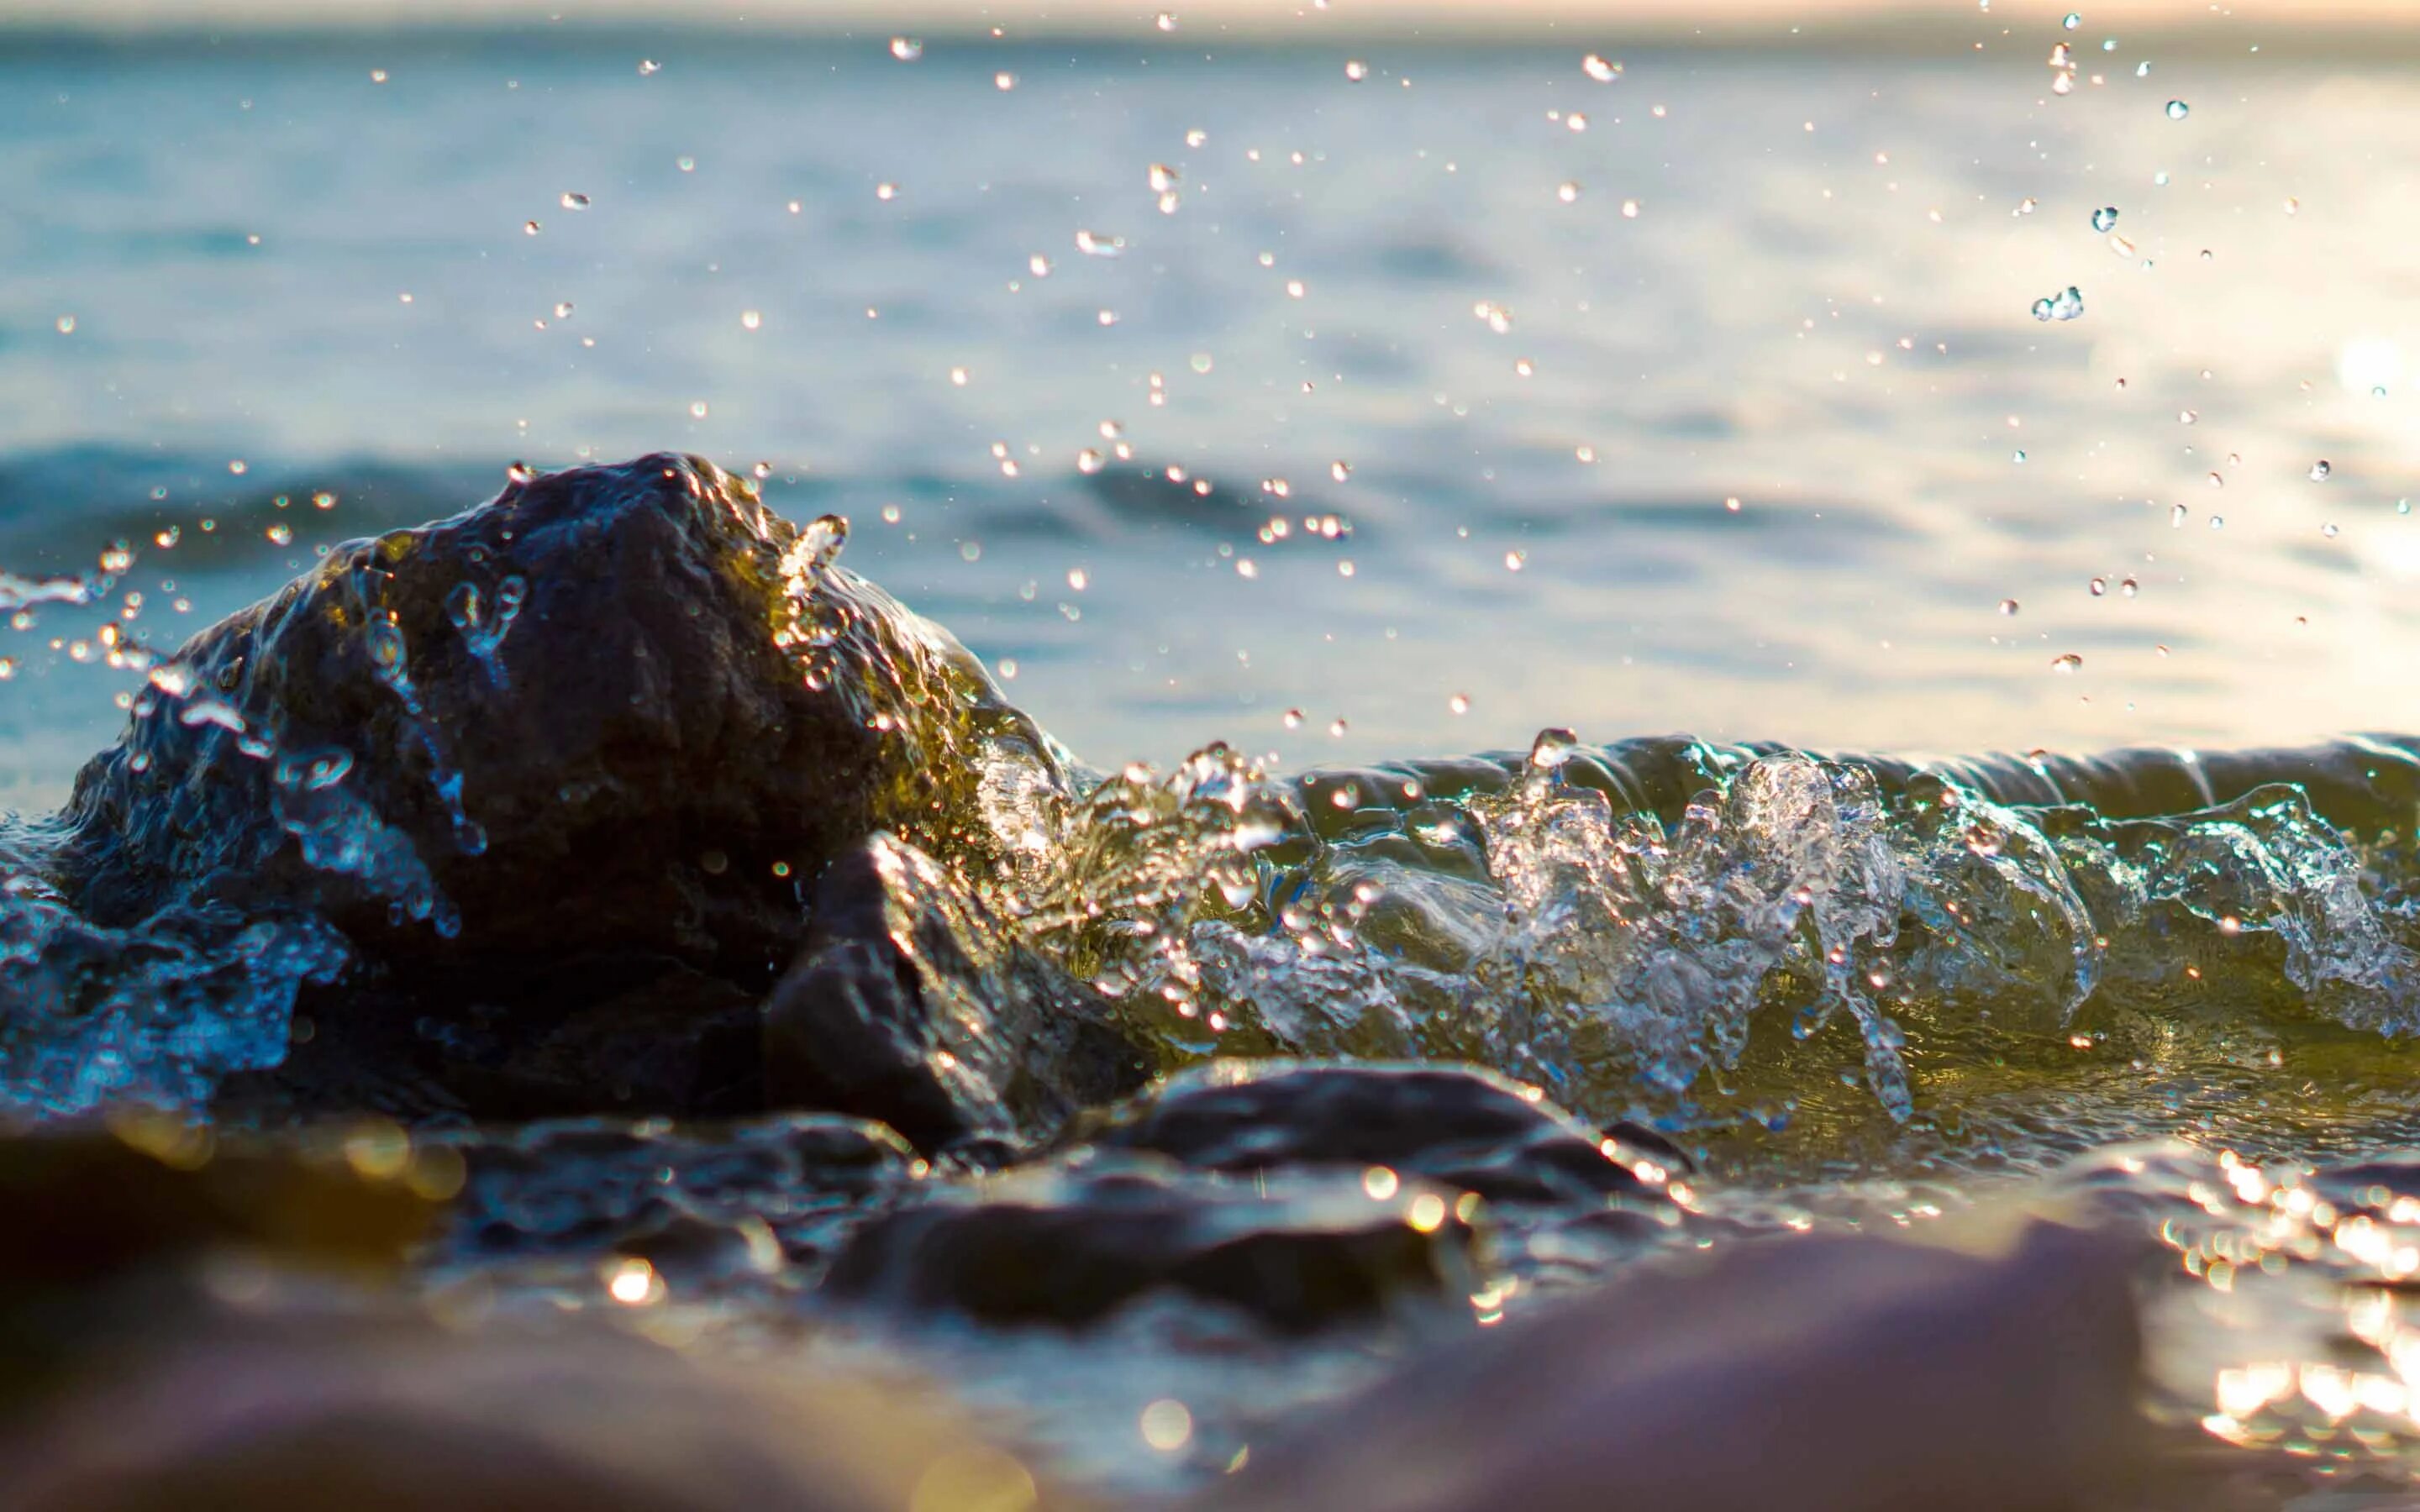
(1862, 995)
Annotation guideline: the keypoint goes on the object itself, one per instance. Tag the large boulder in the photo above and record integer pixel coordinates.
(619, 709)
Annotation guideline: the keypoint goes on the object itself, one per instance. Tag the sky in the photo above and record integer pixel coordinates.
(2283, 19)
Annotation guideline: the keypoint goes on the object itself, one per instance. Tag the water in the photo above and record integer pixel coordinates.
(1783, 322)
(1360, 407)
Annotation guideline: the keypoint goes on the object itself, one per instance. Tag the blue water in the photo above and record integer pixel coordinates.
(1784, 321)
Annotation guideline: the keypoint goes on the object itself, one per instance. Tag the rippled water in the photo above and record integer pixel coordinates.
(1830, 325)
(1410, 417)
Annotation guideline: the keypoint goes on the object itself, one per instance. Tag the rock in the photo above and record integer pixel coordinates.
(383, 1410)
(575, 1188)
(1827, 1373)
(914, 1004)
(618, 709)
(1067, 1246)
(112, 1224)
(1461, 1126)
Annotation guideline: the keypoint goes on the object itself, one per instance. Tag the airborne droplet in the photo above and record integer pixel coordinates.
(2066, 664)
(2178, 110)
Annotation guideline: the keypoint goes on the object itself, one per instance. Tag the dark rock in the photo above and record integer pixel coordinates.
(577, 1187)
(111, 1227)
(385, 1409)
(618, 709)
(915, 1005)
(1070, 1246)
(1464, 1127)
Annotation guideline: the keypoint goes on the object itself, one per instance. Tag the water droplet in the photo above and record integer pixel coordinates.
(1337, 730)
(2319, 470)
(1294, 718)
(958, 377)
(529, 229)
(2019, 455)
(1600, 70)
(2178, 110)
(761, 471)
(2066, 664)
(2098, 587)
(562, 309)
(1568, 192)
(907, 49)
(1166, 1425)
(1162, 178)
(520, 472)
(1459, 703)
(1087, 460)
(2072, 21)
(1200, 362)
(2025, 206)
(2065, 305)
(1523, 367)
(686, 164)
(1093, 244)
(238, 467)
(1165, 21)
(323, 500)
(1004, 80)
(2329, 531)
(1340, 471)
(2218, 522)
(1552, 748)
(2062, 83)
(2104, 218)
(1515, 561)
(750, 320)
(1295, 288)
(648, 66)
(1630, 210)
(886, 191)
(1356, 69)
(2177, 514)
(1575, 122)
(574, 201)
(66, 325)
(2217, 482)
(2009, 607)
(1078, 580)
(697, 409)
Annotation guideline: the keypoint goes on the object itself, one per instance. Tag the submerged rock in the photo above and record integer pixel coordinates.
(1462, 1127)
(914, 1005)
(1069, 1246)
(617, 708)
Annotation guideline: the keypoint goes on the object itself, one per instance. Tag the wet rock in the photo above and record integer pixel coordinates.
(914, 1004)
(618, 709)
(109, 1227)
(382, 1410)
(1466, 1128)
(679, 1195)
(1832, 1373)
(151, 1188)
(1070, 1246)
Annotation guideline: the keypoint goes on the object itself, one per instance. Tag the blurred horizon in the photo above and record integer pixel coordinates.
(2276, 25)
